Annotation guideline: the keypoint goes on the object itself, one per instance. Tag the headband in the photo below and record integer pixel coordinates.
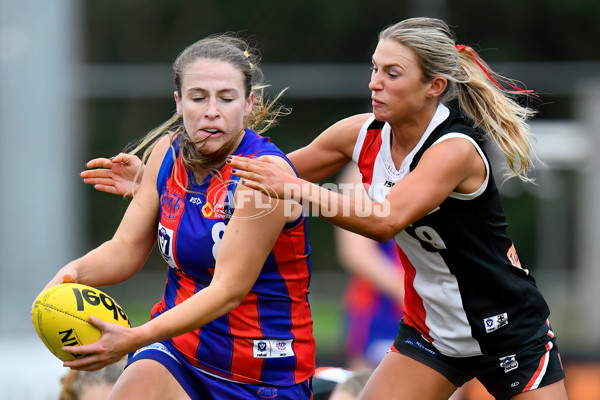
(461, 48)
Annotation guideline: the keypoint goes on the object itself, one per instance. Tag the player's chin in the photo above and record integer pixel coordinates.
(211, 147)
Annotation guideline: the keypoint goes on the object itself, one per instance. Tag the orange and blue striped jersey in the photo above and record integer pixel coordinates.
(268, 337)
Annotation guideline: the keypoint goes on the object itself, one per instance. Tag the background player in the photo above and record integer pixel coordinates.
(375, 291)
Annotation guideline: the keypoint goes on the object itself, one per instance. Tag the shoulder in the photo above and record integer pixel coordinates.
(162, 145)
(345, 132)
(353, 123)
(280, 160)
(159, 151)
(254, 143)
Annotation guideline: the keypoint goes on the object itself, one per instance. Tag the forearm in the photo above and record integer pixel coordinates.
(304, 161)
(385, 277)
(203, 307)
(363, 257)
(362, 216)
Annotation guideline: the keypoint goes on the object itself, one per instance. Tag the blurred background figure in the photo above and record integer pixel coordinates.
(375, 292)
(351, 388)
(90, 385)
(336, 383)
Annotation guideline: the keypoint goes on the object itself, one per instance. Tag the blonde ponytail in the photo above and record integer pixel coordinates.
(493, 109)
(482, 99)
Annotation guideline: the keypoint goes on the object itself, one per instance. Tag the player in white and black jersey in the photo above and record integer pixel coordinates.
(471, 309)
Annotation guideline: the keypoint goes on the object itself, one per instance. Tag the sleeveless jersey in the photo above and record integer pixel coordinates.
(465, 290)
(268, 337)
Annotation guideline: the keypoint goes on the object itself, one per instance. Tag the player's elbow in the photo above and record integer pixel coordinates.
(235, 300)
(383, 231)
(232, 298)
(382, 236)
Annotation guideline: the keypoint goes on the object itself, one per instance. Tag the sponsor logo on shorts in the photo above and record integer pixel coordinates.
(415, 343)
(496, 322)
(267, 393)
(509, 363)
(273, 348)
(156, 346)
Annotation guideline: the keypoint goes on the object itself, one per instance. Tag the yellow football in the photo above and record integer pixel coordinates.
(61, 316)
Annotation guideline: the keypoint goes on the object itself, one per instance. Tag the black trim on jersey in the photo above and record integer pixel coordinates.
(474, 232)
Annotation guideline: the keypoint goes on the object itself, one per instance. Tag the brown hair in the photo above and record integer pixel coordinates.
(233, 50)
(75, 382)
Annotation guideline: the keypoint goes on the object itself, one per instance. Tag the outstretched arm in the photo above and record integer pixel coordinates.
(325, 155)
(120, 175)
(452, 165)
(330, 151)
(124, 254)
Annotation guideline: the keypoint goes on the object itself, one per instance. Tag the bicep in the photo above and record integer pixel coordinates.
(330, 151)
(137, 230)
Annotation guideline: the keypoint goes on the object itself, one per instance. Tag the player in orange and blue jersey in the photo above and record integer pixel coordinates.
(234, 321)
(268, 337)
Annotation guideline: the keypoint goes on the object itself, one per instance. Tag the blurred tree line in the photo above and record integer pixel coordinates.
(310, 31)
(334, 31)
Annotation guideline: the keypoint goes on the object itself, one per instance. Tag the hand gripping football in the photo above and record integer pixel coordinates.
(61, 316)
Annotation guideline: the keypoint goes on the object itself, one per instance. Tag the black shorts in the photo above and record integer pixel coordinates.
(537, 364)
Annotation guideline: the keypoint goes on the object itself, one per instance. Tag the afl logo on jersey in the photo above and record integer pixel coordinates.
(171, 205)
(165, 245)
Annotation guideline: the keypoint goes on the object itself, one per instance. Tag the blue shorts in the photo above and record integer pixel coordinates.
(200, 385)
(535, 365)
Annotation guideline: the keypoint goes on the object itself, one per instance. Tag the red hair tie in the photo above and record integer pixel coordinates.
(489, 72)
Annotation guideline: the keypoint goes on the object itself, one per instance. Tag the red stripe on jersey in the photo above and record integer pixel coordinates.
(243, 322)
(414, 310)
(368, 154)
(217, 192)
(188, 342)
(297, 281)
